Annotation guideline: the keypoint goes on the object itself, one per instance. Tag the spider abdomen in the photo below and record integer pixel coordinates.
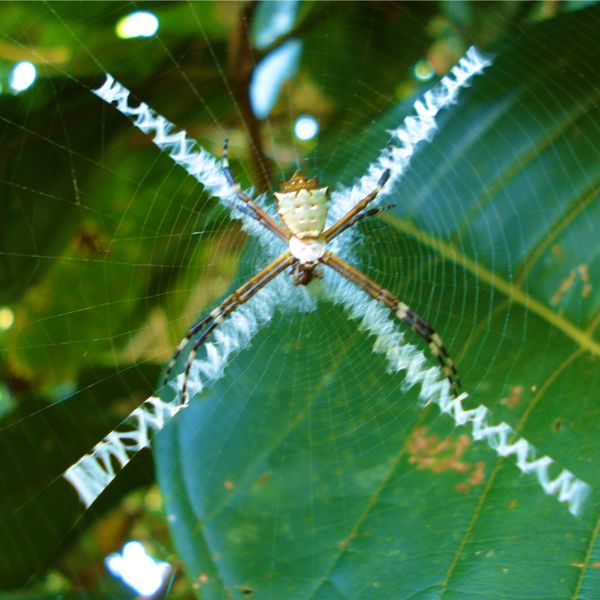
(304, 211)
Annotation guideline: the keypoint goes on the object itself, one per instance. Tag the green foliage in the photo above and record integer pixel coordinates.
(308, 470)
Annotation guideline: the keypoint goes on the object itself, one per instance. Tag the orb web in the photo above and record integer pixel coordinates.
(310, 462)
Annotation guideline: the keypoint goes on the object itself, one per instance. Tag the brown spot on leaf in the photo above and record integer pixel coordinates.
(229, 485)
(582, 565)
(557, 250)
(581, 273)
(264, 477)
(563, 288)
(514, 396)
(429, 452)
(200, 581)
(343, 543)
(585, 278)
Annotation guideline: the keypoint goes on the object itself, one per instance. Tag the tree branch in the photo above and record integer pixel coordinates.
(242, 62)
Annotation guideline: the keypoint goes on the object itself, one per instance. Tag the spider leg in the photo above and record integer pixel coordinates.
(191, 332)
(242, 208)
(419, 325)
(359, 217)
(241, 295)
(340, 226)
(260, 215)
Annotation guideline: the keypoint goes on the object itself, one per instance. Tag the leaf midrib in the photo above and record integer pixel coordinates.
(516, 294)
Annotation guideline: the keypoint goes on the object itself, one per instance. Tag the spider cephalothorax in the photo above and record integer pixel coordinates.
(302, 205)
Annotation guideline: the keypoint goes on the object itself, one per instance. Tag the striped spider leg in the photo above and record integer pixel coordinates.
(401, 310)
(264, 219)
(205, 327)
(303, 205)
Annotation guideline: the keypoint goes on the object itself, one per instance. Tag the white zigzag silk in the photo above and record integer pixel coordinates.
(397, 155)
(434, 388)
(187, 153)
(94, 471)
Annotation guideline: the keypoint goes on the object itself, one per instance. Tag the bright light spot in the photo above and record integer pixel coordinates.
(22, 76)
(7, 318)
(306, 127)
(137, 569)
(269, 75)
(423, 71)
(138, 24)
(274, 19)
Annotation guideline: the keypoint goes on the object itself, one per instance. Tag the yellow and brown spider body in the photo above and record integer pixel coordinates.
(302, 206)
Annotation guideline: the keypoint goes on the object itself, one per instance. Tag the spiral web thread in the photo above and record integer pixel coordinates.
(91, 474)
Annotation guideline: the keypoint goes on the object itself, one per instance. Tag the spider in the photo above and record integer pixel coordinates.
(302, 205)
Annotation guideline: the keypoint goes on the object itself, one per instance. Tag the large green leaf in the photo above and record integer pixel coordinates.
(308, 471)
